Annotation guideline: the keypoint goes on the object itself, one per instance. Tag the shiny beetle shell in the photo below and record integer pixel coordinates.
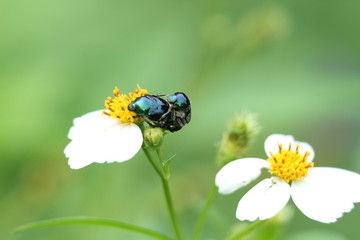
(170, 112)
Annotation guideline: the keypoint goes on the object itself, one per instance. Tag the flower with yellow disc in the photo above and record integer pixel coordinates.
(321, 193)
(110, 135)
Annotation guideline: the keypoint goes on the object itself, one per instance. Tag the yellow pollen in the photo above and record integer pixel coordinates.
(289, 164)
(117, 107)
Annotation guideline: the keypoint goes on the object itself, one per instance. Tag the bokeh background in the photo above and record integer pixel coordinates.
(296, 64)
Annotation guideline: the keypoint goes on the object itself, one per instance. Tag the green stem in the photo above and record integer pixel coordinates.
(202, 217)
(93, 221)
(160, 155)
(152, 162)
(166, 189)
(247, 230)
(171, 209)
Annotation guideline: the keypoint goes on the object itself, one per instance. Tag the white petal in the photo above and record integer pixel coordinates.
(272, 143)
(239, 173)
(326, 193)
(84, 125)
(264, 200)
(98, 138)
(303, 148)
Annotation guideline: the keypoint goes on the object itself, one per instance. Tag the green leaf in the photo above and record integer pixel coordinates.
(90, 221)
(166, 166)
(168, 161)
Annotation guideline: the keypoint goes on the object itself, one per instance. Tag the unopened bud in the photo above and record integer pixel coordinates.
(153, 137)
(237, 138)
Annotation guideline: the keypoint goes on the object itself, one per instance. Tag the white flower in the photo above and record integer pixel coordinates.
(109, 136)
(321, 193)
(95, 137)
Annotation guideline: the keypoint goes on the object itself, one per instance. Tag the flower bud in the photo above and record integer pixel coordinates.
(153, 137)
(237, 138)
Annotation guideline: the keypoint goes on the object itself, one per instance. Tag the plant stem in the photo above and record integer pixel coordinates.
(171, 208)
(92, 221)
(248, 229)
(202, 217)
(152, 162)
(160, 155)
(167, 193)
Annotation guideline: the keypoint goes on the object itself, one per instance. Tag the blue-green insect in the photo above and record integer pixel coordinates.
(170, 112)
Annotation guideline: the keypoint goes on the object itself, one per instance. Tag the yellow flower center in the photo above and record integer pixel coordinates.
(117, 107)
(289, 164)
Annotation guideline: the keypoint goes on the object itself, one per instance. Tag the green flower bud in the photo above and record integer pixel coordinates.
(153, 137)
(237, 138)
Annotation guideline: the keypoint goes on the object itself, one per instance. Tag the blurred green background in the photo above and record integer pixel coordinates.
(294, 63)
